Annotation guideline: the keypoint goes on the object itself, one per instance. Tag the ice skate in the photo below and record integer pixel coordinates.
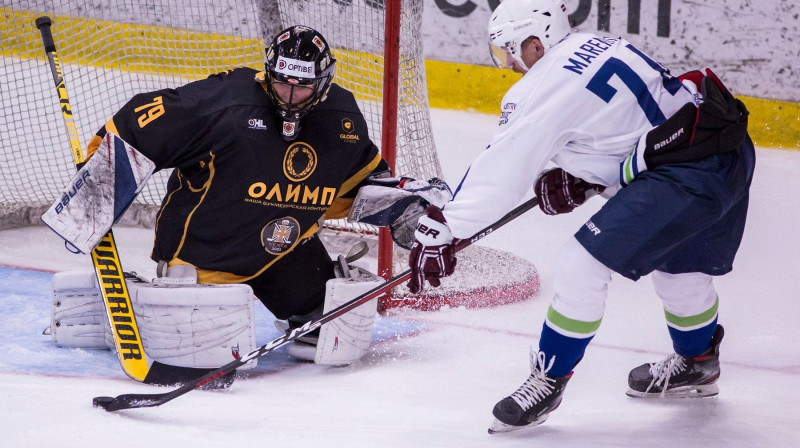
(531, 404)
(679, 377)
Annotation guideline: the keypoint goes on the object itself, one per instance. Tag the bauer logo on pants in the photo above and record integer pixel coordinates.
(280, 235)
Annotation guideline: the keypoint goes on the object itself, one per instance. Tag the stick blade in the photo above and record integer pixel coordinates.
(102, 402)
(129, 401)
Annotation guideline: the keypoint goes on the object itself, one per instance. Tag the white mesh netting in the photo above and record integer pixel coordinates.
(113, 49)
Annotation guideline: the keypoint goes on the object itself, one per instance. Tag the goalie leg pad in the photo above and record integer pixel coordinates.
(198, 326)
(182, 325)
(346, 340)
(78, 317)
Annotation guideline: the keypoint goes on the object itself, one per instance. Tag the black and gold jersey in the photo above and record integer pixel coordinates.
(241, 196)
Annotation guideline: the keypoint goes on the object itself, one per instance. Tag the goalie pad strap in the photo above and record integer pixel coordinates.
(99, 193)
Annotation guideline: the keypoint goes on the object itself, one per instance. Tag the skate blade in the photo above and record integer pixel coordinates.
(707, 390)
(498, 427)
(302, 351)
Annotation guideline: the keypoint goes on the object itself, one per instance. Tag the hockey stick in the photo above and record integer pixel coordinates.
(105, 257)
(129, 401)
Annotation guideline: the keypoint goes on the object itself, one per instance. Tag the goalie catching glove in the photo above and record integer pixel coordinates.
(716, 126)
(398, 204)
(433, 254)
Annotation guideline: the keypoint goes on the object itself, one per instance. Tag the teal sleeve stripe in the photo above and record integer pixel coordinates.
(572, 325)
(692, 321)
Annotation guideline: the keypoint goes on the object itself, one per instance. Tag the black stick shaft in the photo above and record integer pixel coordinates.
(43, 23)
(129, 401)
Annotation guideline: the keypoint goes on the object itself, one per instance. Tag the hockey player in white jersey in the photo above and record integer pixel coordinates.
(671, 155)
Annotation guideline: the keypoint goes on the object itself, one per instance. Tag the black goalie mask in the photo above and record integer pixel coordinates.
(299, 71)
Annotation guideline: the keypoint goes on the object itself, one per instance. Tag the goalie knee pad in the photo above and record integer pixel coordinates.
(182, 325)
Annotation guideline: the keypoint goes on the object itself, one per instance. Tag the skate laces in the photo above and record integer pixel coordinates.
(537, 386)
(665, 369)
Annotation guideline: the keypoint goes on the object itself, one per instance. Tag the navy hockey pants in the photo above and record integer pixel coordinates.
(678, 218)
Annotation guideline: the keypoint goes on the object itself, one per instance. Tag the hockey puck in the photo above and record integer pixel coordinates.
(102, 402)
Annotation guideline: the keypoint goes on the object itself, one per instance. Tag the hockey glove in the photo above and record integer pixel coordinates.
(433, 252)
(693, 133)
(561, 192)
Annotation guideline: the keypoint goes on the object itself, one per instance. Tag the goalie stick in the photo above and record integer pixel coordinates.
(105, 257)
(130, 401)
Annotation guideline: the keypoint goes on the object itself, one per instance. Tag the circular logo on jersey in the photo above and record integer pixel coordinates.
(280, 235)
(299, 162)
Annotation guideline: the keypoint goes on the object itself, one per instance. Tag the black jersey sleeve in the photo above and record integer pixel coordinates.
(171, 126)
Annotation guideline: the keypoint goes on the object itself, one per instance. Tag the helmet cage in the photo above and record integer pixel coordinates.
(289, 108)
(299, 58)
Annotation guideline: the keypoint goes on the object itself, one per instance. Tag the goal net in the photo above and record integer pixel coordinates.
(113, 49)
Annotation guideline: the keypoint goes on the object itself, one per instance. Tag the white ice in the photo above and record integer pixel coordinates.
(436, 387)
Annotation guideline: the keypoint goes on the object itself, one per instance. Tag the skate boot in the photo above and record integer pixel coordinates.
(679, 377)
(530, 405)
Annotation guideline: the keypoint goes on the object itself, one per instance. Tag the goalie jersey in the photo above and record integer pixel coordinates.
(240, 196)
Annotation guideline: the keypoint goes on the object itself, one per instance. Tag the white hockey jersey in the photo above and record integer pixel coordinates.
(583, 106)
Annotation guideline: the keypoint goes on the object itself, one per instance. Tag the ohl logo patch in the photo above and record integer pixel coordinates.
(299, 162)
(256, 123)
(280, 235)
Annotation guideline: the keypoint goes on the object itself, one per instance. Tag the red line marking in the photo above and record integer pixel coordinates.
(27, 268)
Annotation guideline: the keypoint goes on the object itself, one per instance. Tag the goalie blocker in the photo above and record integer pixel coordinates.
(191, 328)
(106, 185)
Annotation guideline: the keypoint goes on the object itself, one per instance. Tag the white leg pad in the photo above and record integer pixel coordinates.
(346, 340)
(78, 318)
(185, 325)
(686, 294)
(201, 326)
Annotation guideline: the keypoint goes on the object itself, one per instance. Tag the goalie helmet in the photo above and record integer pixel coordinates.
(516, 20)
(299, 71)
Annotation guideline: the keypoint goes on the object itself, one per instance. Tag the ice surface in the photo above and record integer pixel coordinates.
(431, 379)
